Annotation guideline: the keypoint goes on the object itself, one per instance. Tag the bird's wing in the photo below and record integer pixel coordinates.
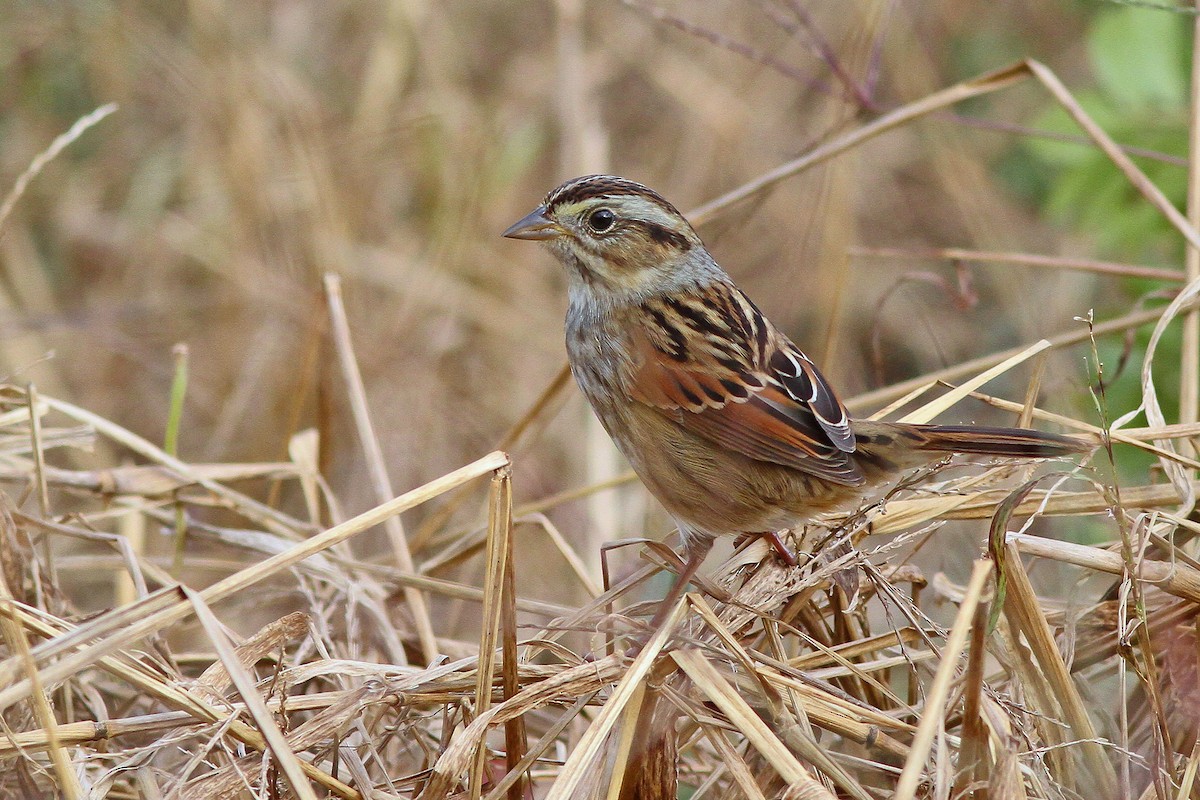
(713, 363)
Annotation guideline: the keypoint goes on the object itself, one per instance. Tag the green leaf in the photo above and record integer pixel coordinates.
(1140, 56)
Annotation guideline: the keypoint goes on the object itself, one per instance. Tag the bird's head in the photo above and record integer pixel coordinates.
(620, 241)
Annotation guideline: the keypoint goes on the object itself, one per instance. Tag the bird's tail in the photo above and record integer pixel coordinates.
(980, 440)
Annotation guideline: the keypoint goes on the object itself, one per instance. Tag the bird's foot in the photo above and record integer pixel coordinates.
(785, 554)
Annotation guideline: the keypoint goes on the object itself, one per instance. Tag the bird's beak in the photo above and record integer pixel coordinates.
(535, 226)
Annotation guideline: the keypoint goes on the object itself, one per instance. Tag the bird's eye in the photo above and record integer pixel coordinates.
(601, 220)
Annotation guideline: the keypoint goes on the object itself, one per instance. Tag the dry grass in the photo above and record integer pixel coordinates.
(308, 195)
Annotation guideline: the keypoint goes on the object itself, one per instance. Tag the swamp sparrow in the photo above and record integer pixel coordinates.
(727, 423)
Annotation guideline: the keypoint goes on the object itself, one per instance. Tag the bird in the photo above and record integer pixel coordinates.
(727, 423)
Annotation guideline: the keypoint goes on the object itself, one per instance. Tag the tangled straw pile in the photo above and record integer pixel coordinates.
(827, 680)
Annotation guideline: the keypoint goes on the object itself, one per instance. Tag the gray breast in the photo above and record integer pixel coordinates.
(598, 356)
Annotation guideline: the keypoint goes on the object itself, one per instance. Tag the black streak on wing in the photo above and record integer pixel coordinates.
(735, 388)
(679, 350)
(803, 381)
(700, 320)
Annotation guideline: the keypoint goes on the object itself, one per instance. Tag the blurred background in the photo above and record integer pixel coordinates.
(259, 145)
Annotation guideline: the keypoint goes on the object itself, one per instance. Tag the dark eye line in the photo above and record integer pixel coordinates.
(663, 235)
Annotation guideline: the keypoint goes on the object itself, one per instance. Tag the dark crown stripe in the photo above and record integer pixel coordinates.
(590, 186)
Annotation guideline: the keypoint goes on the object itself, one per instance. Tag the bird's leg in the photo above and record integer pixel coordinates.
(697, 550)
(782, 550)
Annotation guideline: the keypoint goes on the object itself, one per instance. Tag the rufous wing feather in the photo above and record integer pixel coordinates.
(735, 380)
